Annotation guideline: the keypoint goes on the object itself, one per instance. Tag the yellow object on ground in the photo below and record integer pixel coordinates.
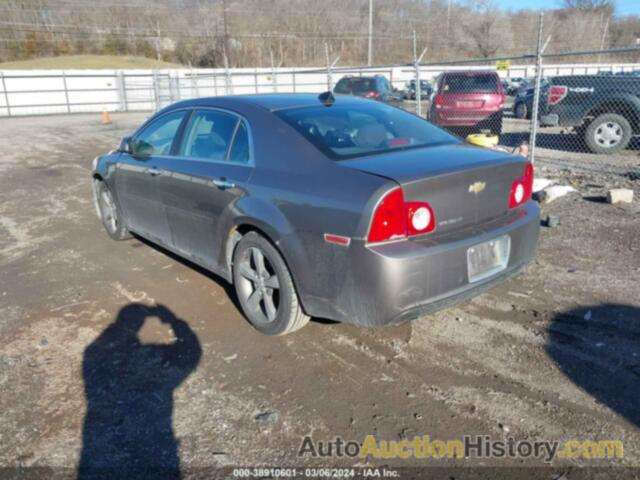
(483, 140)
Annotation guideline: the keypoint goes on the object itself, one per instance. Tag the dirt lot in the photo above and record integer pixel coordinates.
(553, 354)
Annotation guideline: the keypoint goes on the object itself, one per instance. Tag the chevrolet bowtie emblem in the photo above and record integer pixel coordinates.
(477, 187)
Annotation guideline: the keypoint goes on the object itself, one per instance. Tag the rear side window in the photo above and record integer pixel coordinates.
(240, 149)
(157, 138)
(208, 135)
(342, 86)
(470, 83)
(350, 131)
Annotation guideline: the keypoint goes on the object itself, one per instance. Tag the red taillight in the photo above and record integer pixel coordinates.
(522, 188)
(372, 94)
(388, 220)
(394, 218)
(438, 101)
(556, 94)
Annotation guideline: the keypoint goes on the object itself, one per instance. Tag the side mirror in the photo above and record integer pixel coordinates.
(126, 145)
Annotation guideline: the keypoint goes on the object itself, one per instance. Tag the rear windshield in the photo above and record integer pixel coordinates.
(349, 131)
(470, 83)
(356, 85)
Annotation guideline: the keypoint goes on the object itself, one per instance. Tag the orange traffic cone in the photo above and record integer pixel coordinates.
(106, 120)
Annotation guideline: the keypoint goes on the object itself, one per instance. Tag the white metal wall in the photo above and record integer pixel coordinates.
(35, 92)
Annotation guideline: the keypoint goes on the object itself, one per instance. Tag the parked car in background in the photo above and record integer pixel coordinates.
(514, 84)
(606, 113)
(337, 208)
(633, 73)
(425, 90)
(470, 100)
(375, 88)
(523, 101)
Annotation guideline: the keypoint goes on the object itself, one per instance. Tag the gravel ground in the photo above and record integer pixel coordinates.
(553, 354)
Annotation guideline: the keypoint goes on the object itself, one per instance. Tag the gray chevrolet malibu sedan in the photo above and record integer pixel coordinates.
(315, 206)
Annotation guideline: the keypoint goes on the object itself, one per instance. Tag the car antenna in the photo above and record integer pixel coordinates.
(327, 98)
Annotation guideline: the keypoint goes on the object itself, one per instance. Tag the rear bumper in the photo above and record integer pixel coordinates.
(405, 279)
(550, 120)
(452, 118)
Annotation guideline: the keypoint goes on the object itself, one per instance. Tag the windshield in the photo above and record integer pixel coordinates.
(348, 131)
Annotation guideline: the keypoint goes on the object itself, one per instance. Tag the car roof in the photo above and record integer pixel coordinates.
(269, 101)
(471, 72)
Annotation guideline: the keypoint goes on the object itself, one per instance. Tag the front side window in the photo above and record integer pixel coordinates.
(348, 131)
(157, 138)
(208, 135)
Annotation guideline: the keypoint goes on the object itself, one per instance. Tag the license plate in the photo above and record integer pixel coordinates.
(469, 104)
(488, 258)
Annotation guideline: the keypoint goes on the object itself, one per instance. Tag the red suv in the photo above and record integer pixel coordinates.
(472, 100)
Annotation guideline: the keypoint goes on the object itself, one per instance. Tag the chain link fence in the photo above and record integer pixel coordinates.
(589, 121)
(588, 103)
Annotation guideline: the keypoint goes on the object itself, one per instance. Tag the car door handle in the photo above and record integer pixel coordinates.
(154, 172)
(223, 183)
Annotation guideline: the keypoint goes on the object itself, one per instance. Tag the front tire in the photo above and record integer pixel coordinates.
(110, 213)
(265, 288)
(608, 133)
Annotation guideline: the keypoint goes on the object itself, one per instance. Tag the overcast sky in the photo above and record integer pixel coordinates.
(623, 7)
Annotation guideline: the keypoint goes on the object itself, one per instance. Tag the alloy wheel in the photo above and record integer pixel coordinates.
(109, 211)
(608, 134)
(259, 286)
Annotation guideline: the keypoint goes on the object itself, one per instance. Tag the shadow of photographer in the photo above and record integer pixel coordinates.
(129, 386)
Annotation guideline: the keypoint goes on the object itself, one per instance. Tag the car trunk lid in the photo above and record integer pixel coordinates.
(464, 185)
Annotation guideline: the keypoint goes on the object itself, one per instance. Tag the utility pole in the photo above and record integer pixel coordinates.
(416, 65)
(226, 34)
(370, 52)
(533, 131)
(604, 36)
(158, 42)
(329, 67)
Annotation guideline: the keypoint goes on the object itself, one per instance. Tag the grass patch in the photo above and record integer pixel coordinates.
(91, 62)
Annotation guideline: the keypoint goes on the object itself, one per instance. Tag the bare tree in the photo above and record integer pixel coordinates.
(197, 32)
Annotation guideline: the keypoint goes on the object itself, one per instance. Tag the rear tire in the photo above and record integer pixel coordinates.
(608, 133)
(265, 288)
(521, 110)
(110, 213)
(496, 127)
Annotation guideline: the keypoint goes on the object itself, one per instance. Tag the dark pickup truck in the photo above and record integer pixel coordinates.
(603, 110)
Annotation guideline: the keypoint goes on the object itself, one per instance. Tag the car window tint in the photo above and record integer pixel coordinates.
(362, 85)
(240, 148)
(342, 86)
(470, 83)
(348, 131)
(157, 138)
(208, 135)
